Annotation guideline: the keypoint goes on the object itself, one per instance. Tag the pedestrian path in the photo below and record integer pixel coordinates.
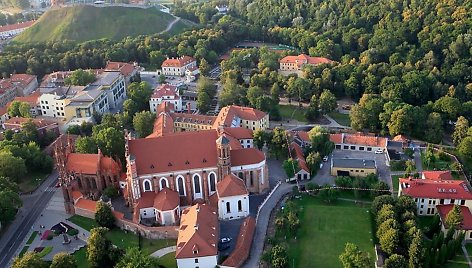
(164, 251)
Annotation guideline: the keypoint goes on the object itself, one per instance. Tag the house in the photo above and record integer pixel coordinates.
(127, 70)
(295, 64)
(92, 99)
(43, 126)
(403, 139)
(162, 208)
(222, 9)
(53, 100)
(178, 66)
(352, 167)
(11, 30)
(197, 243)
(428, 193)
(302, 139)
(165, 93)
(238, 116)
(233, 198)
(394, 150)
(297, 154)
(25, 83)
(4, 116)
(55, 79)
(192, 122)
(358, 142)
(437, 175)
(113, 83)
(191, 74)
(466, 224)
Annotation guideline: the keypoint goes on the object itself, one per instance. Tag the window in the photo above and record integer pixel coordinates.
(196, 184)
(147, 185)
(361, 148)
(240, 206)
(353, 147)
(346, 147)
(196, 260)
(228, 207)
(452, 201)
(163, 183)
(369, 149)
(441, 201)
(462, 202)
(251, 177)
(212, 182)
(241, 175)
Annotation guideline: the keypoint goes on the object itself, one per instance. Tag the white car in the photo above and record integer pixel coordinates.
(379, 151)
(225, 240)
(325, 159)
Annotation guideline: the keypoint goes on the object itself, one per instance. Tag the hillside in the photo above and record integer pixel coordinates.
(82, 23)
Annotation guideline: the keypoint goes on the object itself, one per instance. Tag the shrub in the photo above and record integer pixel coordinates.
(73, 232)
(57, 232)
(50, 237)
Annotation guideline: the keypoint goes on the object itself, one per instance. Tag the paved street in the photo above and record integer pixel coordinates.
(28, 214)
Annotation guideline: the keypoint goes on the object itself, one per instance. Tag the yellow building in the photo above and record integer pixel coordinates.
(352, 167)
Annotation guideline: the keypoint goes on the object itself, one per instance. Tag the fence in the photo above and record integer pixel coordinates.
(267, 198)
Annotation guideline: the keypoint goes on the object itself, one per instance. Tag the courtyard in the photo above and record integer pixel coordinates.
(325, 229)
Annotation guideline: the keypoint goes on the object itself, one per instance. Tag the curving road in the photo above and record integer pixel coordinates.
(32, 208)
(170, 25)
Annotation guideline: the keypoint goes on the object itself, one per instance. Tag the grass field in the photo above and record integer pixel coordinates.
(324, 231)
(342, 119)
(83, 23)
(395, 179)
(459, 261)
(31, 181)
(292, 112)
(168, 260)
(81, 258)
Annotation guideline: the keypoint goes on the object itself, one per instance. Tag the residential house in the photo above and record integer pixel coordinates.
(25, 83)
(178, 66)
(302, 139)
(297, 154)
(197, 243)
(53, 100)
(352, 167)
(33, 101)
(358, 142)
(238, 116)
(295, 64)
(165, 93)
(466, 224)
(85, 103)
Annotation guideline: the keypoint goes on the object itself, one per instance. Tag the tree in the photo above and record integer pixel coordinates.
(138, 98)
(11, 166)
(204, 67)
(353, 257)
(10, 202)
(254, 96)
(454, 218)
(396, 261)
(63, 260)
(278, 256)
(80, 77)
(203, 102)
(434, 130)
(30, 259)
(143, 123)
(328, 194)
(86, 145)
(415, 251)
(385, 213)
(278, 144)
(460, 130)
(389, 241)
(104, 215)
(111, 142)
(380, 201)
(465, 147)
(260, 138)
(29, 131)
(136, 258)
(313, 161)
(19, 109)
(98, 248)
(291, 167)
(327, 102)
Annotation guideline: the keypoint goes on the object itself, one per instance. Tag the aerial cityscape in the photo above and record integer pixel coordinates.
(235, 133)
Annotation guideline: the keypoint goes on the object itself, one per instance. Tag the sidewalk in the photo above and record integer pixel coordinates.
(163, 251)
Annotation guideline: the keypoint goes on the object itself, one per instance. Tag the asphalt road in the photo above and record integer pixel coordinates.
(23, 224)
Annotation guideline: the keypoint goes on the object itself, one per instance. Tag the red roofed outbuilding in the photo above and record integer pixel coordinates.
(233, 198)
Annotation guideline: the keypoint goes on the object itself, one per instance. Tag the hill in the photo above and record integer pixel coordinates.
(83, 23)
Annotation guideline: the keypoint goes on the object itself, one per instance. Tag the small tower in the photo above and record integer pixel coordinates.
(224, 158)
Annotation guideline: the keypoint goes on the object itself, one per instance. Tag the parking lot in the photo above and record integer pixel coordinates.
(383, 171)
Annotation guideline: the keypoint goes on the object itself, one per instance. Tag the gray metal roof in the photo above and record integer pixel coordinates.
(352, 163)
(107, 78)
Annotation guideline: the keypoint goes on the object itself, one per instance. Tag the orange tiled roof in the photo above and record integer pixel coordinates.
(401, 138)
(246, 156)
(165, 90)
(23, 79)
(76, 195)
(124, 67)
(193, 118)
(336, 138)
(303, 135)
(166, 200)
(239, 132)
(344, 138)
(165, 107)
(304, 59)
(442, 189)
(300, 157)
(82, 163)
(31, 99)
(87, 204)
(198, 232)
(163, 125)
(228, 113)
(20, 25)
(231, 186)
(146, 200)
(243, 244)
(466, 223)
(438, 175)
(17, 122)
(178, 62)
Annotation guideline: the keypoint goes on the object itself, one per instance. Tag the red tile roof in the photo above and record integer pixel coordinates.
(437, 175)
(124, 67)
(23, 79)
(238, 132)
(82, 163)
(109, 164)
(305, 59)
(198, 232)
(178, 62)
(231, 185)
(146, 200)
(303, 135)
(444, 189)
(228, 113)
(466, 224)
(246, 156)
(166, 200)
(76, 195)
(357, 139)
(176, 151)
(163, 125)
(20, 25)
(165, 90)
(193, 118)
(401, 138)
(243, 244)
(31, 99)
(87, 204)
(298, 154)
(17, 122)
(336, 138)
(165, 107)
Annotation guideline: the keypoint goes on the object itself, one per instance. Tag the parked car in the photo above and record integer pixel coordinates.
(225, 240)
(325, 159)
(379, 151)
(58, 185)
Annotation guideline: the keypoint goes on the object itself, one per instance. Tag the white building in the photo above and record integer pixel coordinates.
(162, 208)
(355, 142)
(178, 66)
(233, 198)
(113, 83)
(165, 93)
(53, 100)
(197, 244)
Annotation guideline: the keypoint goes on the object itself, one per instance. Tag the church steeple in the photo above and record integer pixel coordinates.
(224, 157)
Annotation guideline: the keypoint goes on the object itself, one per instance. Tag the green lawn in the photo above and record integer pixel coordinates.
(324, 231)
(31, 238)
(459, 261)
(23, 251)
(81, 258)
(124, 239)
(292, 112)
(45, 251)
(342, 119)
(350, 195)
(168, 260)
(395, 179)
(31, 181)
(424, 221)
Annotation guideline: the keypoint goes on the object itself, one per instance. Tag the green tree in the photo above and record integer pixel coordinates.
(156, 58)
(396, 261)
(291, 167)
(203, 102)
(389, 241)
(415, 251)
(104, 215)
(204, 67)
(434, 130)
(19, 109)
(86, 145)
(63, 260)
(460, 130)
(278, 144)
(138, 98)
(80, 77)
(313, 161)
(98, 249)
(353, 257)
(11, 166)
(143, 123)
(10, 202)
(454, 218)
(327, 102)
(111, 142)
(29, 131)
(465, 147)
(260, 137)
(30, 259)
(386, 212)
(136, 258)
